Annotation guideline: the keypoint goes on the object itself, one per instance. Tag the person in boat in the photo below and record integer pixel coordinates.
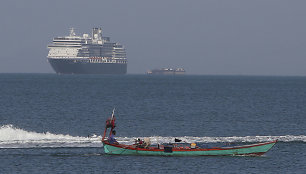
(138, 143)
(143, 143)
(147, 142)
(112, 139)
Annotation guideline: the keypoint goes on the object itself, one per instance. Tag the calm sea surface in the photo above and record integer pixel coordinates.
(53, 123)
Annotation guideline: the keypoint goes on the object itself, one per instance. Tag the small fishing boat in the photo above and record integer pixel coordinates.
(177, 149)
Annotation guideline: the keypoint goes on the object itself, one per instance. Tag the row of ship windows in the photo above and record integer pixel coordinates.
(75, 52)
(106, 61)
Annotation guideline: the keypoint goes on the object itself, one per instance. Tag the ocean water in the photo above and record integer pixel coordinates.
(53, 123)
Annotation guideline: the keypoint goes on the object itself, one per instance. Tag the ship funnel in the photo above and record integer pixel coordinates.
(97, 34)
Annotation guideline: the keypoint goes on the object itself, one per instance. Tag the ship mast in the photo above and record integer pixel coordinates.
(72, 33)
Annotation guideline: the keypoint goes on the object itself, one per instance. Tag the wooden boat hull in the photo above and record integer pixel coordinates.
(247, 150)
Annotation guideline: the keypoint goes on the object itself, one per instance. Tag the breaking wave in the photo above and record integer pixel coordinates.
(12, 137)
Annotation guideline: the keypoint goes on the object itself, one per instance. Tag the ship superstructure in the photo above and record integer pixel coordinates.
(86, 54)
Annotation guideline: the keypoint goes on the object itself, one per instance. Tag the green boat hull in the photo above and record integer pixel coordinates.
(248, 150)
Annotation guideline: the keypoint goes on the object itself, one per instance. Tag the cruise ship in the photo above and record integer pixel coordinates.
(87, 54)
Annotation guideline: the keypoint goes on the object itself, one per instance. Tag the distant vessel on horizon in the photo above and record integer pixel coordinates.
(87, 55)
(167, 71)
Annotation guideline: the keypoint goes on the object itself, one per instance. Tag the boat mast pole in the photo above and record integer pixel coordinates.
(112, 122)
(109, 123)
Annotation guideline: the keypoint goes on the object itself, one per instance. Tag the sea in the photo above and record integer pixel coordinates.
(53, 123)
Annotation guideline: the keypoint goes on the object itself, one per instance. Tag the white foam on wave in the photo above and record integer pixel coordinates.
(234, 139)
(12, 137)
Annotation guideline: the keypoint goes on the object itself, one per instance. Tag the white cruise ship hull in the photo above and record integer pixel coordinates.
(82, 66)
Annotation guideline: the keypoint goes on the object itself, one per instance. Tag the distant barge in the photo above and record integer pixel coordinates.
(167, 71)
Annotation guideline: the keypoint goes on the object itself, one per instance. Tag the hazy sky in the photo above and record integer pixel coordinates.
(223, 37)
